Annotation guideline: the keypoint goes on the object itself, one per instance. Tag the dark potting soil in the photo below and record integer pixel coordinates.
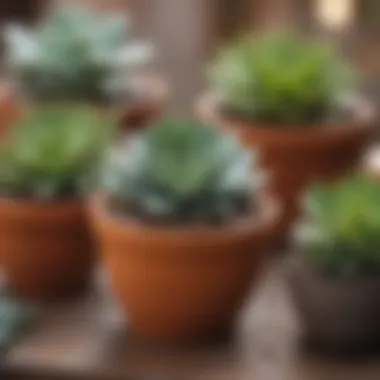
(340, 116)
(189, 218)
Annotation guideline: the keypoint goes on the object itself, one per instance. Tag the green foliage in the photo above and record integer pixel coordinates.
(75, 54)
(281, 79)
(181, 173)
(51, 154)
(14, 317)
(341, 233)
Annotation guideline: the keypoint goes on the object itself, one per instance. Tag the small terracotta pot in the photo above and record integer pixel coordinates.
(337, 315)
(45, 248)
(297, 156)
(139, 112)
(180, 285)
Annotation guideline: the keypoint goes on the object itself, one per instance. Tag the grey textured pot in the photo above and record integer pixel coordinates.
(337, 315)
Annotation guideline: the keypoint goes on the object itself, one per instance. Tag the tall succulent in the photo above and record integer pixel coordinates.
(281, 79)
(341, 233)
(74, 54)
(181, 173)
(52, 153)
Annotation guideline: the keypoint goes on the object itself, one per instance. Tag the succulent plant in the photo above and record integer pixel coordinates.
(14, 317)
(281, 79)
(74, 54)
(52, 153)
(181, 172)
(341, 232)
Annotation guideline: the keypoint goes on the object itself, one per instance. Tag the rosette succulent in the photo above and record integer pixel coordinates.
(182, 172)
(53, 153)
(341, 232)
(282, 80)
(75, 54)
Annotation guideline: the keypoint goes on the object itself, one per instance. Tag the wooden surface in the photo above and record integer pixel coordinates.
(84, 339)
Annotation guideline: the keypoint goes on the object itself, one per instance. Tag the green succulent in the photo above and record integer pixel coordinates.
(52, 153)
(341, 233)
(14, 318)
(181, 172)
(74, 54)
(281, 79)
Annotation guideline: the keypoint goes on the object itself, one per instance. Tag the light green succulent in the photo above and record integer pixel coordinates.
(75, 54)
(52, 153)
(281, 79)
(341, 233)
(181, 172)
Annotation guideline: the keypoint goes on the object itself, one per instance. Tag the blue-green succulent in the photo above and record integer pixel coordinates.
(74, 54)
(182, 172)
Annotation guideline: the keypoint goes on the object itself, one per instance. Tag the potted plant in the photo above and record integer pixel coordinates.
(46, 164)
(335, 274)
(79, 55)
(182, 230)
(294, 99)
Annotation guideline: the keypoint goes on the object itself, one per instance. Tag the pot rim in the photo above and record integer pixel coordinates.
(24, 205)
(299, 264)
(269, 212)
(364, 118)
(155, 90)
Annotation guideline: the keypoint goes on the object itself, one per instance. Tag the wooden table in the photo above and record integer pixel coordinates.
(84, 339)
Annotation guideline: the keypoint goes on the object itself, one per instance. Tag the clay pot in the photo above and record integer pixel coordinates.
(45, 248)
(180, 285)
(9, 111)
(337, 315)
(139, 111)
(297, 156)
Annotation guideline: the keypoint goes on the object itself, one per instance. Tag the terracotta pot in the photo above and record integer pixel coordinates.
(9, 110)
(45, 248)
(297, 156)
(337, 315)
(140, 111)
(180, 285)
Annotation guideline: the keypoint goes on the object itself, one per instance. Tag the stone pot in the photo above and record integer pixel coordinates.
(142, 108)
(337, 315)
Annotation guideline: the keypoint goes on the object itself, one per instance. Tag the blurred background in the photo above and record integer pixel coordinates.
(187, 32)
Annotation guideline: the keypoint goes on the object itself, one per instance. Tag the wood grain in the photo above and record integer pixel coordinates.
(85, 340)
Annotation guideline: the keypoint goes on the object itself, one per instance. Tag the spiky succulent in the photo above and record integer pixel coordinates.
(181, 172)
(51, 153)
(75, 54)
(341, 233)
(281, 79)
